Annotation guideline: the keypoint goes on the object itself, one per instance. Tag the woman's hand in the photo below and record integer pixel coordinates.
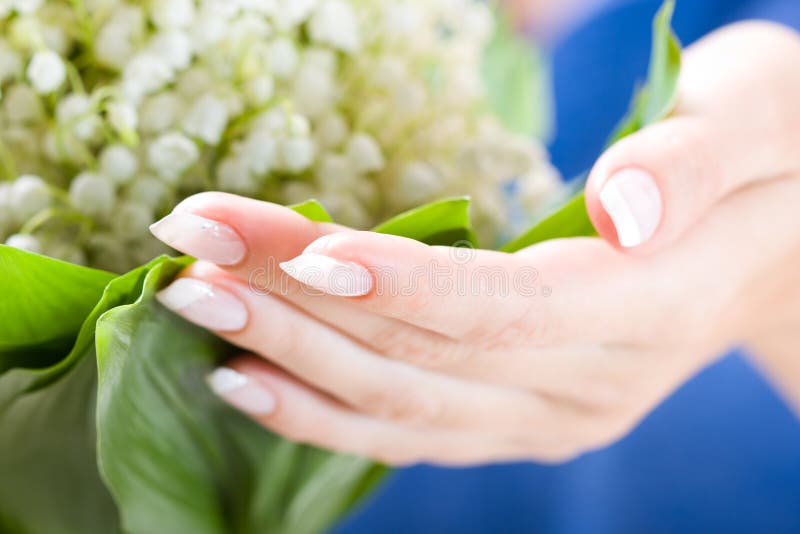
(392, 349)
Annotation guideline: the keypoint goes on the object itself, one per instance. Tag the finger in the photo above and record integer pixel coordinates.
(248, 238)
(301, 414)
(730, 129)
(334, 363)
(468, 295)
(244, 236)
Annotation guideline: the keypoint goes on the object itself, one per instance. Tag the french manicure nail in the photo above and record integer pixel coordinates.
(241, 392)
(329, 275)
(202, 238)
(204, 305)
(632, 200)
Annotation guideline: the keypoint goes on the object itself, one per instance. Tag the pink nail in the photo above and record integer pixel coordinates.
(202, 238)
(329, 275)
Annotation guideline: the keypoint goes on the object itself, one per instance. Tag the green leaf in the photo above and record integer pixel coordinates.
(43, 303)
(656, 99)
(445, 222)
(650, 104)
(515, 81)
(313, 210)
(177, 459)
(571, 220)
(50, 479)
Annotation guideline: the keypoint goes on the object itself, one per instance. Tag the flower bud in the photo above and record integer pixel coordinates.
(25, 242)
(29, 196)
(207, 119)
(365, 154)
(171, 155)
(92, 194)
(118, 163)
(46, 71)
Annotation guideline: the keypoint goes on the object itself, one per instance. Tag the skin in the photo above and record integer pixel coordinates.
(466, 377)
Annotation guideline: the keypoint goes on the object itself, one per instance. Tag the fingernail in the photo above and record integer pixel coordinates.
(202, 238)
(204, 305)
(632, 200)
(329, 275)
(241, 392)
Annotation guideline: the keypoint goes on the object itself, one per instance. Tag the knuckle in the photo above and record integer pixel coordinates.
(402, 404)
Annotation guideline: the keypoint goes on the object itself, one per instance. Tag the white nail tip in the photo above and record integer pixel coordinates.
(204, 305)
(185, 292)
(241, 392)
(329, 275)
(225, 380)
(632, 200)
(203, 238)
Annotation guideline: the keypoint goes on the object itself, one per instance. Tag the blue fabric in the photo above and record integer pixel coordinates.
(721, 455)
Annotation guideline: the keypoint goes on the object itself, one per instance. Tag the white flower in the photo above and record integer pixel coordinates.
(25, 242)
(297, 154)
(402, 18)
(116, 39)
(417, 181)
(174, 47)
(365, 153)
(92, 194)
(211, 24)
(260, 89)
(148, 190)
(207, 119)
(46, 71)
(118, 163)
(331, 130)
(161, 112)
(334, 23)
(21, 104)
(335, 172)
(172, 154)
(195, 81)
(283, 57)
(25, 7)
(258, 152)
(10, 62)
(144, 74)
(29, 196)
(172, 13)
(123, 118)
(291, 13)
(75, 111)
(234, 176)
(314, 90)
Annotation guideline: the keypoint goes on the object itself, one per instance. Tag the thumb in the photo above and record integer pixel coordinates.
(649, 188)
(733, 126)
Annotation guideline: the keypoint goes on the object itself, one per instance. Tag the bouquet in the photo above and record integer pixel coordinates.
(113, 111)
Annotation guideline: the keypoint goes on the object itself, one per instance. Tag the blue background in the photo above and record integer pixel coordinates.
(721, 455)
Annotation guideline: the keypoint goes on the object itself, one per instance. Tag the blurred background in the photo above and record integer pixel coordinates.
(721, 455)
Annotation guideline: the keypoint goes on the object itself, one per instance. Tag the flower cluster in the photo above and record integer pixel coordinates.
(113, 111)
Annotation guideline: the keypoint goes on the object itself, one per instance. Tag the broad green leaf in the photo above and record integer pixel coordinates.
(445, 222)
(43, 303)
(516, 83)
(50, 480)
(313, 210)
(650, 104)
(177, 459)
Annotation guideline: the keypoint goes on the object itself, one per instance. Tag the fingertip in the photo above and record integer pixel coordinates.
(626, 207)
